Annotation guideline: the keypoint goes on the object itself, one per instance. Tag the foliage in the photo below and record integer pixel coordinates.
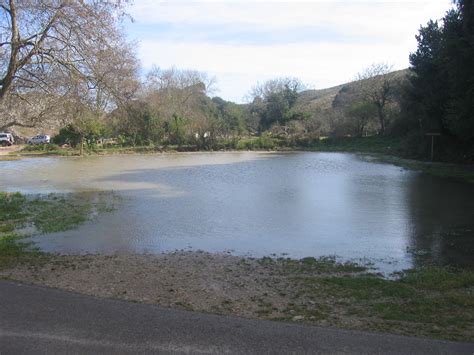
(136, 124)
(263, 142)
(51, 147)
(67, 135)
(441, 95)
(233, 115)
(173, 106)
(273, 102)
(376, 86)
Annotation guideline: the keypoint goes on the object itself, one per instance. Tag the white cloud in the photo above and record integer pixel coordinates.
(359, 16)
(322, 65)
(367, 32)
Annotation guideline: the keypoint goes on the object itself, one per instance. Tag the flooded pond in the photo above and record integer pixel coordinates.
(259, 204)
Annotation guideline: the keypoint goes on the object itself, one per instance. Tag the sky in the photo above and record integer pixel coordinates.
(323, 43)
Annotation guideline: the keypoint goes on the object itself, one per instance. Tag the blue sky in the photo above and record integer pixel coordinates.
(323, 43)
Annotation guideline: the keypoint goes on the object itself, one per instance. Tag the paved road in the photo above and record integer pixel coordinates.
(41, 320)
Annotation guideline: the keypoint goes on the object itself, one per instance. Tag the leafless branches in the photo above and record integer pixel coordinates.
(58, 51)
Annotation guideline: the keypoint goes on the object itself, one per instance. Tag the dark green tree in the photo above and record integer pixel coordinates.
(442, 87)
(274, 101)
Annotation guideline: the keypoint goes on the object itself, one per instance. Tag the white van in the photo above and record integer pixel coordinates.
(6, 139)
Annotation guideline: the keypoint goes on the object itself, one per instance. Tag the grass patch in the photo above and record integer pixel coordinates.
(322, 265)
(436, 302)
(12, 247)
(46, 149)
(55, 215)
(442, 170)
(367, 287)
(11, 210)
(44, 214)
(373, 144)
(52, 212)
(438, 279)
(257, 143)
(433, 301)
(8, 158)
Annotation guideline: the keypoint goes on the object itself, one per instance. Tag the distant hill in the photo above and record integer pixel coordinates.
(319, 99)
(327, 107)
(332, 97)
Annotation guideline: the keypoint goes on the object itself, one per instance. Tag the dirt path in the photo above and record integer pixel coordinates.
(8, 150)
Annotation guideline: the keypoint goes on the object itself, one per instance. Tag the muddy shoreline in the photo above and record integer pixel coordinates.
(308, 291)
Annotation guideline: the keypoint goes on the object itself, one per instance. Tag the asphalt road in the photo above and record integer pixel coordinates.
(41, 320)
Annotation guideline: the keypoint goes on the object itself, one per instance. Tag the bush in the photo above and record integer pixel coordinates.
(41, 147)
(306, 140)
(67, 135)
(263, 142)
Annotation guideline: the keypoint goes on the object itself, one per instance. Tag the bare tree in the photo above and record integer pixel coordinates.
(275, 86)
(176, 79)
(376, 86)
(360, 113)
(179, 98)
(174, 91)
(57, 51)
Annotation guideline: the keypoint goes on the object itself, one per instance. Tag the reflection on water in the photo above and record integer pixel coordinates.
(297, 204)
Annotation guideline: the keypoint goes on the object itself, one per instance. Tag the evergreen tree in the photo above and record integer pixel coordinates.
(442, 92)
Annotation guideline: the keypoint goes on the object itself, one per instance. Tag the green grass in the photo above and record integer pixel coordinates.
(45, 149)
(13, 248)
(55, 215)
(46, 214)
(11, 245)
(438, 279)
(367, 287)
(373, 144)
(324, 264)
(442, 170)
(11, 210)
(432, 301)
(257, 143)
(8, 158)
(49, 213)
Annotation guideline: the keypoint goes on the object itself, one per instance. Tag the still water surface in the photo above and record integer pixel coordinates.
(257, 204)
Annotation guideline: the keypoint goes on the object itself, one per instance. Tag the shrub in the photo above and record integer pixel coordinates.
(263, 142)
(67, 135)
(41, 147)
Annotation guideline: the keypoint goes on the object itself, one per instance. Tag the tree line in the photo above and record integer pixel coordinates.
(67, 64)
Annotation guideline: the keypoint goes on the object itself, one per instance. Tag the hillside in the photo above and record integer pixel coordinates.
(319, 99)
(328, 108)
(330, 98)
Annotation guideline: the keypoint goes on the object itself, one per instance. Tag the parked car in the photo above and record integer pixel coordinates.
(39, 139)
(6, 139)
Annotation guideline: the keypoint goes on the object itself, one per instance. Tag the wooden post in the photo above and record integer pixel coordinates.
(432, 146)
(82, 146)
(432, 143)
